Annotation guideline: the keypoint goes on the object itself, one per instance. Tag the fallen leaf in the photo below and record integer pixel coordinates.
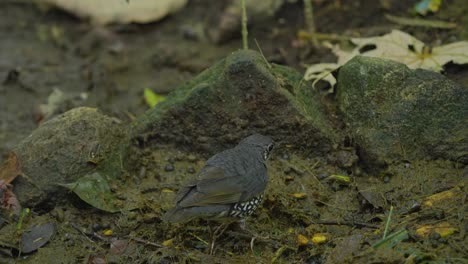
(438, 198)
(302, 240)
(94, 190)
(111, 11)
(342, 179)
(300, 195)
(107, 232)
(118, 246)
(168, 243)
(152, 98)
(8, 199)
(11, 168)
(36, 237)
(319, 238)
(321, 71)
(444, 229)
(404, 48)
(396, 45)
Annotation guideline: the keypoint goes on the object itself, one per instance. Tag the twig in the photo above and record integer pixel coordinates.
(418, 22)
(357, 224)
(249, 237)
(320, 36)
(145, 242)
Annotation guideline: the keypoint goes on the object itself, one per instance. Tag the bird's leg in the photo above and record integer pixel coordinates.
(217, 233)
(243, 227)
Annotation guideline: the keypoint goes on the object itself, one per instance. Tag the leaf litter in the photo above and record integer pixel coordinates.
(397, 46)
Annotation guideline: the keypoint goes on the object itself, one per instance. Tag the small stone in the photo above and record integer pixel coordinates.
(386, 179)
(191, 170)
(96, 227)
(169, 167)
(322, 175)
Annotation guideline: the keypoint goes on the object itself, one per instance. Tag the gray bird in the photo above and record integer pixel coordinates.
(230, 185)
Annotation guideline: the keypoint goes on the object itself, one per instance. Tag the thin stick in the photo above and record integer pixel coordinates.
(418, 22)
(245, 33)
(388, 222)
(309, 20)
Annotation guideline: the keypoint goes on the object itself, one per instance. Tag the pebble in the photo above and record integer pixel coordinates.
(191, 170)
(169, 167)
(323, 175)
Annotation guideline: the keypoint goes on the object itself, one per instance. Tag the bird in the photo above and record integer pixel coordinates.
(231, 184)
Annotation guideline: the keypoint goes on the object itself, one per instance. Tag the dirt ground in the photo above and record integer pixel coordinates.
(44, 49)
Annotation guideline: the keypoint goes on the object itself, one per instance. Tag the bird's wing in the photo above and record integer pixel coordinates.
(212, 187)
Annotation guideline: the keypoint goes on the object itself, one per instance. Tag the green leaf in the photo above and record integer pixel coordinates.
(152, 98)
(391, 240)
(94, 190)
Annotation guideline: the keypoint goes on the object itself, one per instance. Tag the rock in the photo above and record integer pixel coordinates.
(236, 97)
(395, 113)
(64, 149)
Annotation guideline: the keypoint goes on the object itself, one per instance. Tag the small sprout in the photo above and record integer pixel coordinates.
(319, 238)
(341, 179)
(152, 98)
(299, 195)
(302, 240)
(168, 243)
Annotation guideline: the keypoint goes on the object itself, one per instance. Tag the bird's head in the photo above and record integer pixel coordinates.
(263, 142)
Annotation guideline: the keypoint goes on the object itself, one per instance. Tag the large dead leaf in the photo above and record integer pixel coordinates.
(120, 11)
(36, 237)
(398, 46)
(402, 47)
(94, 190)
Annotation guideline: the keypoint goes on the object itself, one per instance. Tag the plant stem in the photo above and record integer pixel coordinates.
(388, 222)
(309, 20)
(245, 33)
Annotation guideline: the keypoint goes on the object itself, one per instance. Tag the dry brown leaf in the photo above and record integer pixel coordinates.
(11, 169)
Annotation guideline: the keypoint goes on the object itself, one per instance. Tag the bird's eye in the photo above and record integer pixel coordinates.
(270, 147)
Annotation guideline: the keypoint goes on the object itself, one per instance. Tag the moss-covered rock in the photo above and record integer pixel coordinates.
(397, 113)
(64, 149)
(238, 96)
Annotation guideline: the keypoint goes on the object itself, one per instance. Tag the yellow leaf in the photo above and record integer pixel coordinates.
(340, 178)
(319, 238)
(152, 98)
(168, 243)
(440, 197)
(167, 190)
(444, 229)
(107, 232)
(299, 195)
(302, 240)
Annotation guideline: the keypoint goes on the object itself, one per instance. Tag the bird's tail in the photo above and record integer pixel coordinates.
(184, 214)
